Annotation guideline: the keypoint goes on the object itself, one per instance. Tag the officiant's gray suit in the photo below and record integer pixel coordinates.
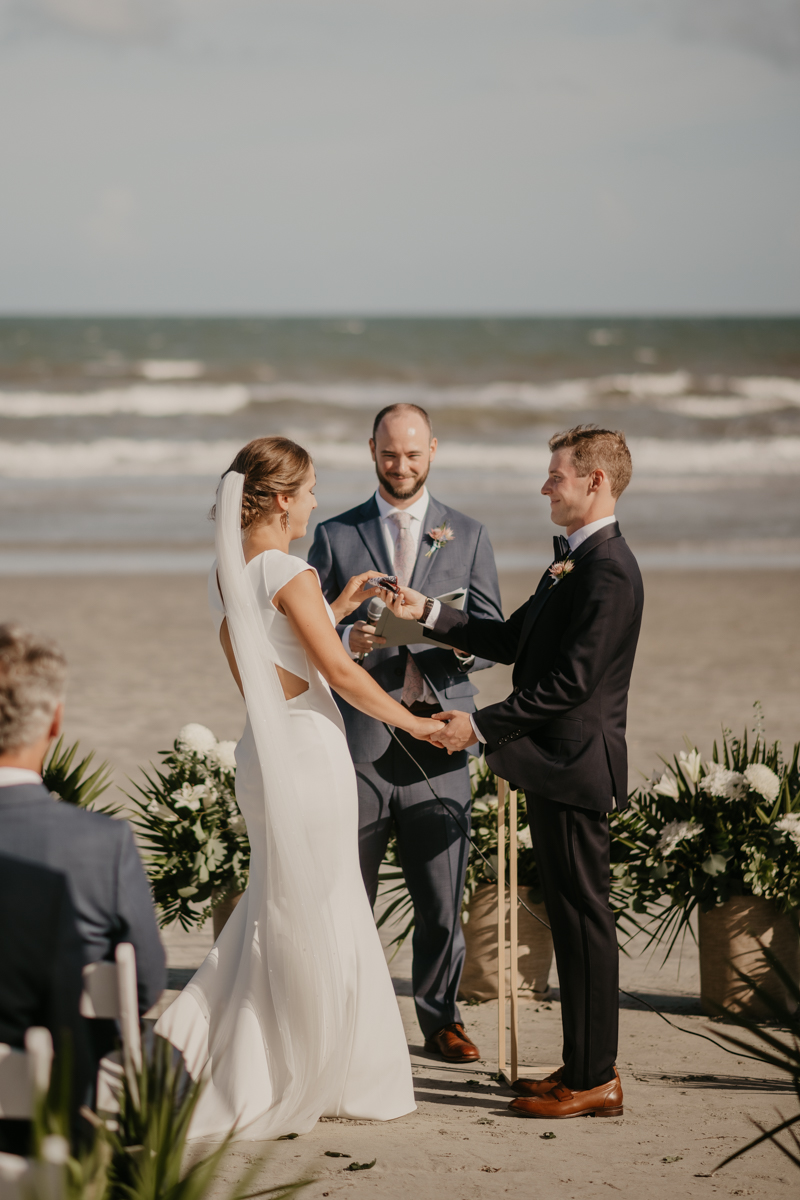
(391, 790)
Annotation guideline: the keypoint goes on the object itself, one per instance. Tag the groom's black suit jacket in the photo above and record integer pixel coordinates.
(561, 733)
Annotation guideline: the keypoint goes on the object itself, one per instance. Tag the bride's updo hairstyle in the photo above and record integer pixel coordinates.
(272, 466)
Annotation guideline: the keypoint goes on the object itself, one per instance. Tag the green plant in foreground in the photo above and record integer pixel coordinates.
(144, 1156)
(71, 783)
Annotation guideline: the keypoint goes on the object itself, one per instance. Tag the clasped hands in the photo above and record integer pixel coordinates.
(458, 732)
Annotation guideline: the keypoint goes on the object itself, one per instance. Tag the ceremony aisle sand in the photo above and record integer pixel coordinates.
(143, 662)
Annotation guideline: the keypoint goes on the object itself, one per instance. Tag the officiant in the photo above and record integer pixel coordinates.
(402, 530)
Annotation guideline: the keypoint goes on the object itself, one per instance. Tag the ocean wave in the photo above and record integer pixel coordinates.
(676, 391)
(652, 457)
(146, 400)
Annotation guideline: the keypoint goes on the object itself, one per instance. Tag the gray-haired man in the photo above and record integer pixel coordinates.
(395, 532)
(107, 885)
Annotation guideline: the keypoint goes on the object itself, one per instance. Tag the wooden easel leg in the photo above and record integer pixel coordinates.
(513, 931)
(501, 927)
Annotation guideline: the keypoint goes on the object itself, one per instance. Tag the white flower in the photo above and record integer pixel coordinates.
(524, 837)
(667, 786)
(763, 780)
(155, 806)
(677, 831)
(193, 797)
(238, 825)
(790, 825)
(690, 765)
(727, 785)
(197, 739)
(223, 755)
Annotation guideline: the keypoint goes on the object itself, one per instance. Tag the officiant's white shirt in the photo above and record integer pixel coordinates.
(575, 539)
(417, 511)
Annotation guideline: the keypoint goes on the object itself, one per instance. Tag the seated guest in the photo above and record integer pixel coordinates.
(107, 885)
(41, 964)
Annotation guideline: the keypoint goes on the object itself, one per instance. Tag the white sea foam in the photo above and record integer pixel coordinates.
(674, 391)
(653, 457)
(159, 369)
(145, 400)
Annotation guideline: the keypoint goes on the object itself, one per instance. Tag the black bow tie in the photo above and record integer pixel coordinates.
(560, 547)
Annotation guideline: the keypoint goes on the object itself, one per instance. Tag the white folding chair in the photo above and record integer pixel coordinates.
(110, 992)
(24, 1076)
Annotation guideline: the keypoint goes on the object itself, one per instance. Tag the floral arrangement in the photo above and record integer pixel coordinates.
(440, 536)
(701, 832)
(195, 838)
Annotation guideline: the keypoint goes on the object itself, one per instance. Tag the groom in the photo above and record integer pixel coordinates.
(560, 736)
(392, 532)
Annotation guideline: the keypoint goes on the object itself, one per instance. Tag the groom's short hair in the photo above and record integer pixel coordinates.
(33, 673)
(594, 448)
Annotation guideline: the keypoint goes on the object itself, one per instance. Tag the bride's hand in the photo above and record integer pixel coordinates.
(425, 729)
(407, 604)
(353, 595)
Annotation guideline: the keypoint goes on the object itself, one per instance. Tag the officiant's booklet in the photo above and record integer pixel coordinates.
(409, 633)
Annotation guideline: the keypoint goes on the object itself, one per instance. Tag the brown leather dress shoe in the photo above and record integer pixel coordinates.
(452, 1043)
(561, 1102)
(537, 1087)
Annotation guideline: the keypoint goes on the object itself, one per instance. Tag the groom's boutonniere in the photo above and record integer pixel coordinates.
(440, 536)
(560, 569)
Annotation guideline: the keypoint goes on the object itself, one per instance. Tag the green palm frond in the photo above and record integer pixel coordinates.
(71, 783)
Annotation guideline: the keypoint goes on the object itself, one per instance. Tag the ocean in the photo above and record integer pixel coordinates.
(114, 431)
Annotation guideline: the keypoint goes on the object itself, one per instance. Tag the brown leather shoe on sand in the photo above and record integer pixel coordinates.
(603, 1101)
(537, 1087)
(452, 1043)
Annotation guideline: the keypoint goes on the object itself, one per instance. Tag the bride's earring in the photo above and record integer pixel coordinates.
(285, 522)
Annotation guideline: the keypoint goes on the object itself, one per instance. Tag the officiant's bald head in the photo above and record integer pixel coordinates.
(403, 448)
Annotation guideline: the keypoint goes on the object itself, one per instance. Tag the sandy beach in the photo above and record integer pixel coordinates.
(143, 659)
(143, 662)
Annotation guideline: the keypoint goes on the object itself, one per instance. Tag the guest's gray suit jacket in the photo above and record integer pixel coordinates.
(107, 884)
(354, 542)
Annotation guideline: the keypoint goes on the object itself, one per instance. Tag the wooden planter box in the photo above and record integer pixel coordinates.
(727, 937)
(479, 980)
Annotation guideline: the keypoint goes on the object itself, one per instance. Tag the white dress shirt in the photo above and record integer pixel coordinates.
(11, 776)
(391, 532)
(575, 539)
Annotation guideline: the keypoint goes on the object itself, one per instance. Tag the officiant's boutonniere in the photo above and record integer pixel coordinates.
(560, 569)
(439, 536)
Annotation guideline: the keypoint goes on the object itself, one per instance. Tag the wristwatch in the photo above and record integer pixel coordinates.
(426, 611)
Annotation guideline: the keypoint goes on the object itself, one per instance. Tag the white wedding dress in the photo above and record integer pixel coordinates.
(292, 1016)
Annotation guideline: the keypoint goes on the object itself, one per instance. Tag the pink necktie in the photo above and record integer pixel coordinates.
(404, 558)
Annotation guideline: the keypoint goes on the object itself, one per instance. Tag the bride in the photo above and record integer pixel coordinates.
(292, 1016)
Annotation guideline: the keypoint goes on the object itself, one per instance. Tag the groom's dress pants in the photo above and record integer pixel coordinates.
(572, 853)
(433, 854)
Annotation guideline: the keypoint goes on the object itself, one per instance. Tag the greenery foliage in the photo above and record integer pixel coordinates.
(142, 1156)
(71, 783)
(194, 836)
(702, 832)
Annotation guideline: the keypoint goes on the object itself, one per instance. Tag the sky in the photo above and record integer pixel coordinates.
(400, 156)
